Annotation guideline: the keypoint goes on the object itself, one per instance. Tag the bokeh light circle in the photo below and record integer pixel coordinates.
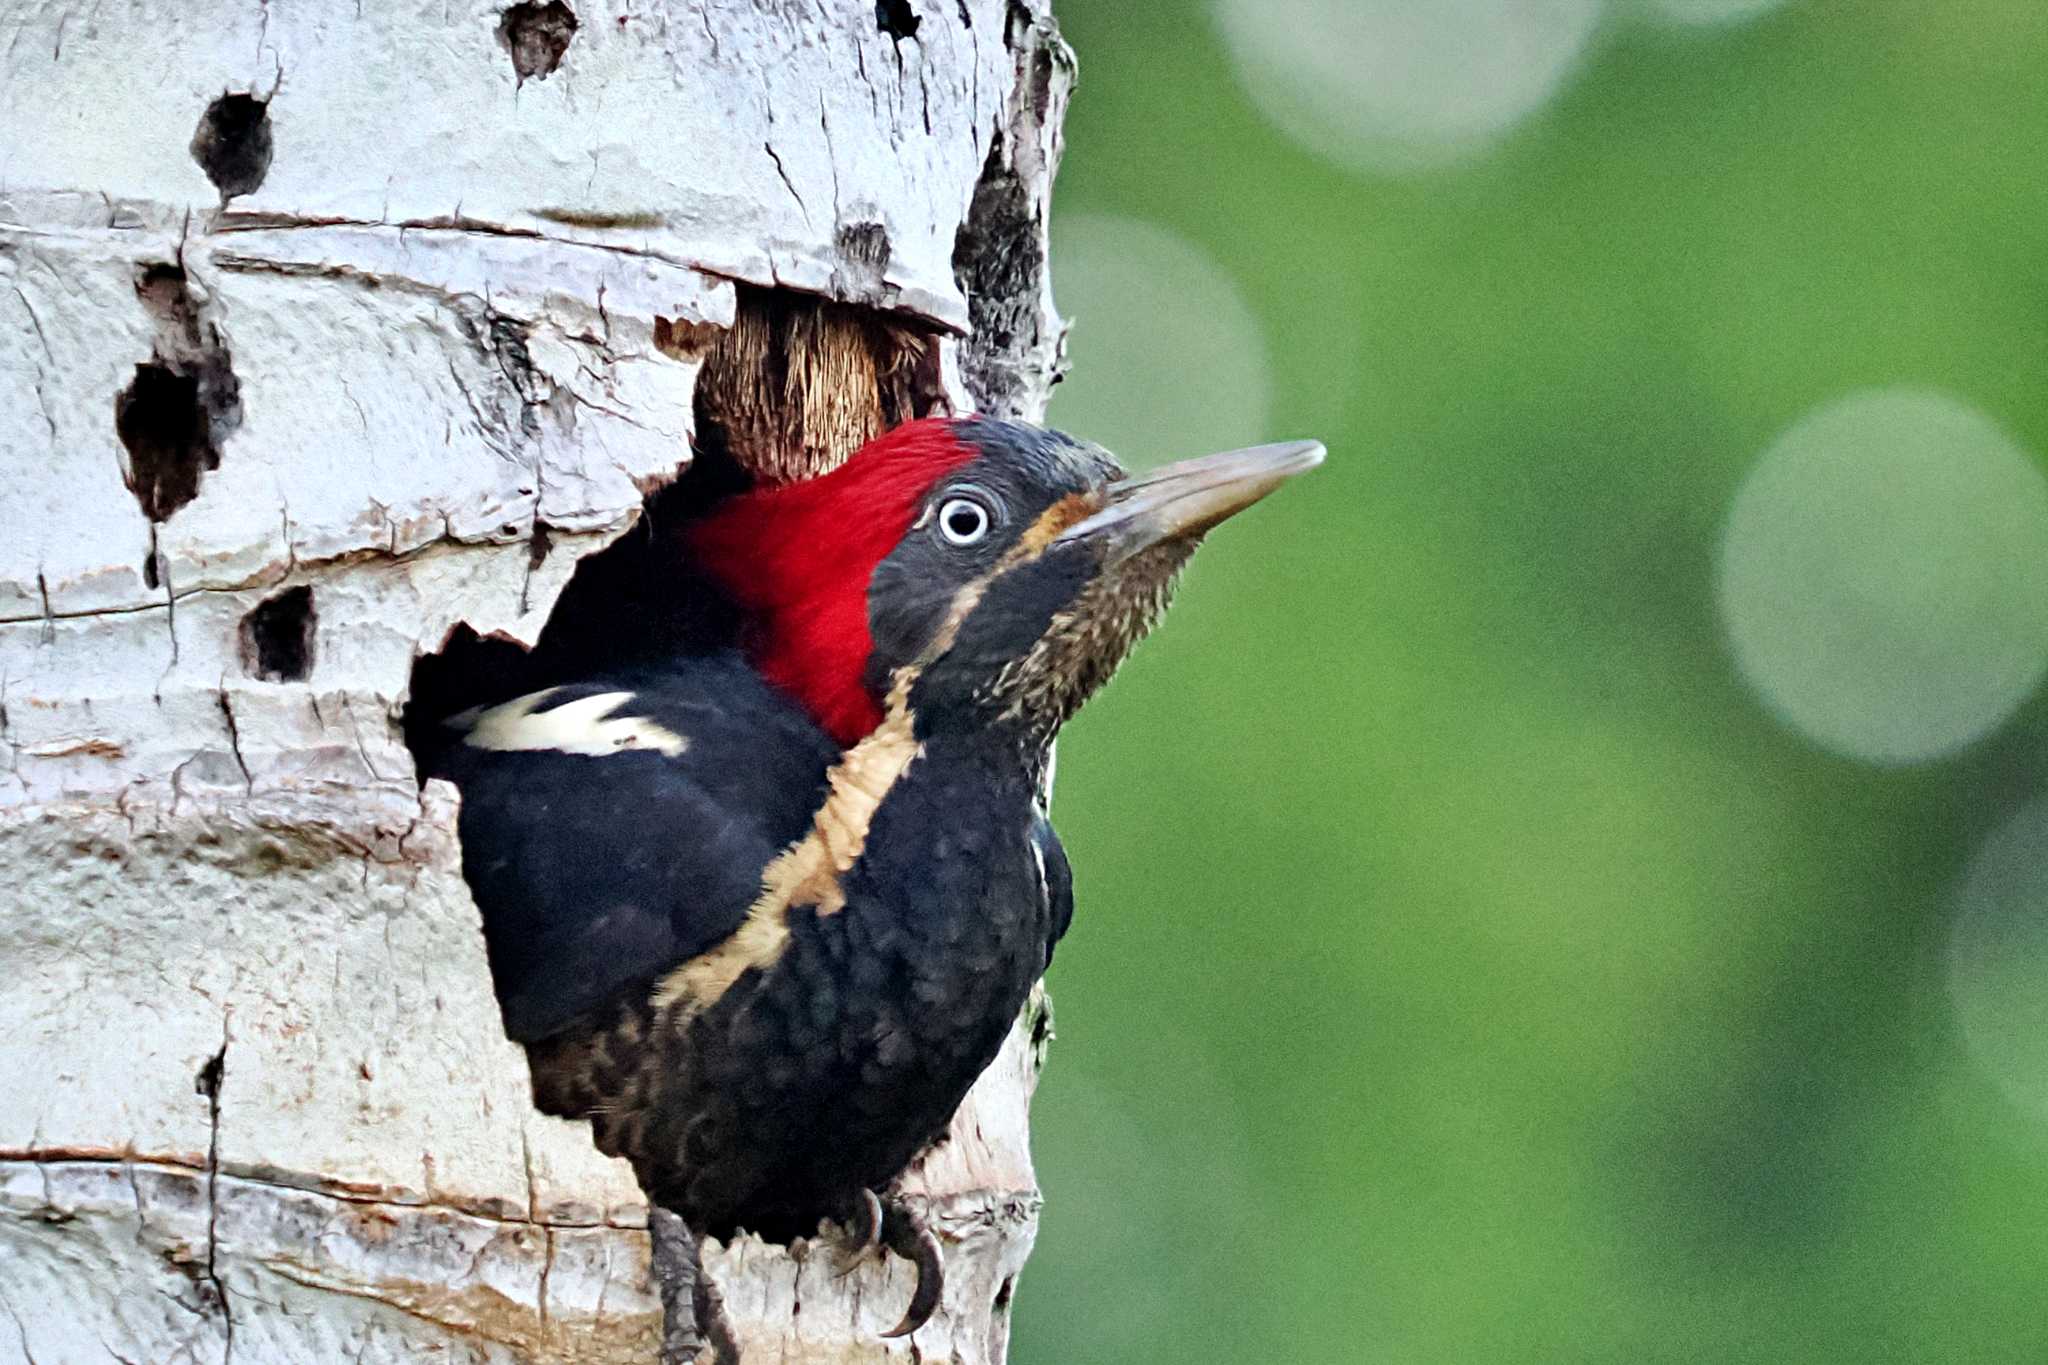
(1167, 357)
(1403, 84)
(1884, 575)
(1998, 958)
(1709, 13)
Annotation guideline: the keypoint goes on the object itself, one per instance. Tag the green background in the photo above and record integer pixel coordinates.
(1468, 965)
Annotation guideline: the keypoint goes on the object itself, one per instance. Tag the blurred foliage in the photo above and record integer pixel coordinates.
(1468, 966)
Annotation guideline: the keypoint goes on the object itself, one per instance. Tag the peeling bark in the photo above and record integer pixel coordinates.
(304, 373)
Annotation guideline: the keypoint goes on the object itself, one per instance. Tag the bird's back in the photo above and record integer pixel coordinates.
(616, 826)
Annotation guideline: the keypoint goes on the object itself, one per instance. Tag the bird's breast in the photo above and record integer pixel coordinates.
(825, 1066)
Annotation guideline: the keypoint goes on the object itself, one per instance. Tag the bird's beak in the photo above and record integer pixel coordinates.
(1181, 501)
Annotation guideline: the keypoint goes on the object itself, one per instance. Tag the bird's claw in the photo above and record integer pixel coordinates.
(905, 1233)
(861, 1232)
(868, 1235)
(875, 1224)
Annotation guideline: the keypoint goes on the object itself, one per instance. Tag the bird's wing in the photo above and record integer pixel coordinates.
(1058, 876)
(614, 828)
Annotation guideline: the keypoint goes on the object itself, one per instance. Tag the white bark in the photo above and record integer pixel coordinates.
(255, 1101)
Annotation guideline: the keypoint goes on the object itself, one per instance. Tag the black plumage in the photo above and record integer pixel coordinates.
(767, 961)
(597, 873)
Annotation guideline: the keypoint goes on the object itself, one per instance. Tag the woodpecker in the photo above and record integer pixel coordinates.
(762, 912)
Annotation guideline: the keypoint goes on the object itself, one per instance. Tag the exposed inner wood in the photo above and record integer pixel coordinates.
(798, 383)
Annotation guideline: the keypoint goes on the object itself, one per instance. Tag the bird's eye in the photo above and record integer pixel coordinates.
(963, 521)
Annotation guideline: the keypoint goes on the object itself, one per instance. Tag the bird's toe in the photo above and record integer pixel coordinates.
(905, 1234)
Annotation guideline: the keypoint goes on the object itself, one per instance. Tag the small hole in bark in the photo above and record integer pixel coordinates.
(150, 577)
(537, 36)
(183, 401)
(1004, 1294)
(169, 437)
(966, 19)
(277, 637)
(897, 19)
(233, 143)
(207, 1082)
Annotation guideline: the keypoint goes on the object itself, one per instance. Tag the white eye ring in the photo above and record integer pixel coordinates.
(963, 521)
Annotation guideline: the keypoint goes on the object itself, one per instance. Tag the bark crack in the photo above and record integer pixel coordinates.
(43, 402)
(135, 1192)
(227, 711)
(780, 170)
(526, 1164)
(547, 1268)
(47, 617)
(362, 751)
(208, 1084)
(163, 569)
(36, 323)
(362, 420)
(20, 1329)
(42, 398)
(831, 155)
(43, 1158)
(457, 224)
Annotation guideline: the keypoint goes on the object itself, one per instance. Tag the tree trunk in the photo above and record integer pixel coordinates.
(332, 329)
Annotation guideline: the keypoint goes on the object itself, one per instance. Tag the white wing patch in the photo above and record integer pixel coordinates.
(584, 726)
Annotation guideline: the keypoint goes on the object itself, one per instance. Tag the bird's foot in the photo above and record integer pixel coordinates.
(692, 1314)
(860, 1232)
(904, 1232)
(875, 1224)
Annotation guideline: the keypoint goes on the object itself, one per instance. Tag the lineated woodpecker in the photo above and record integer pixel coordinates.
(762, 914)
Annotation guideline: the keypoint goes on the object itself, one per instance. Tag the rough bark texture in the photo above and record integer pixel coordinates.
(330, 329)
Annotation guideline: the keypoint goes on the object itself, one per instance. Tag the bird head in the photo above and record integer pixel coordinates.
(986, 574)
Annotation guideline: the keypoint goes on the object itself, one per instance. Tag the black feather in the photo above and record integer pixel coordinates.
(597, 874)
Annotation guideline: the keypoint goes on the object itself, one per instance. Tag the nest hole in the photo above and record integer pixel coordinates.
(792, 388)
(183, 401)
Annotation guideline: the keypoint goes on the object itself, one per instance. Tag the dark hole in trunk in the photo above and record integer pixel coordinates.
(537, 36)
(897, 19)
(277, 637)
(233, 144)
